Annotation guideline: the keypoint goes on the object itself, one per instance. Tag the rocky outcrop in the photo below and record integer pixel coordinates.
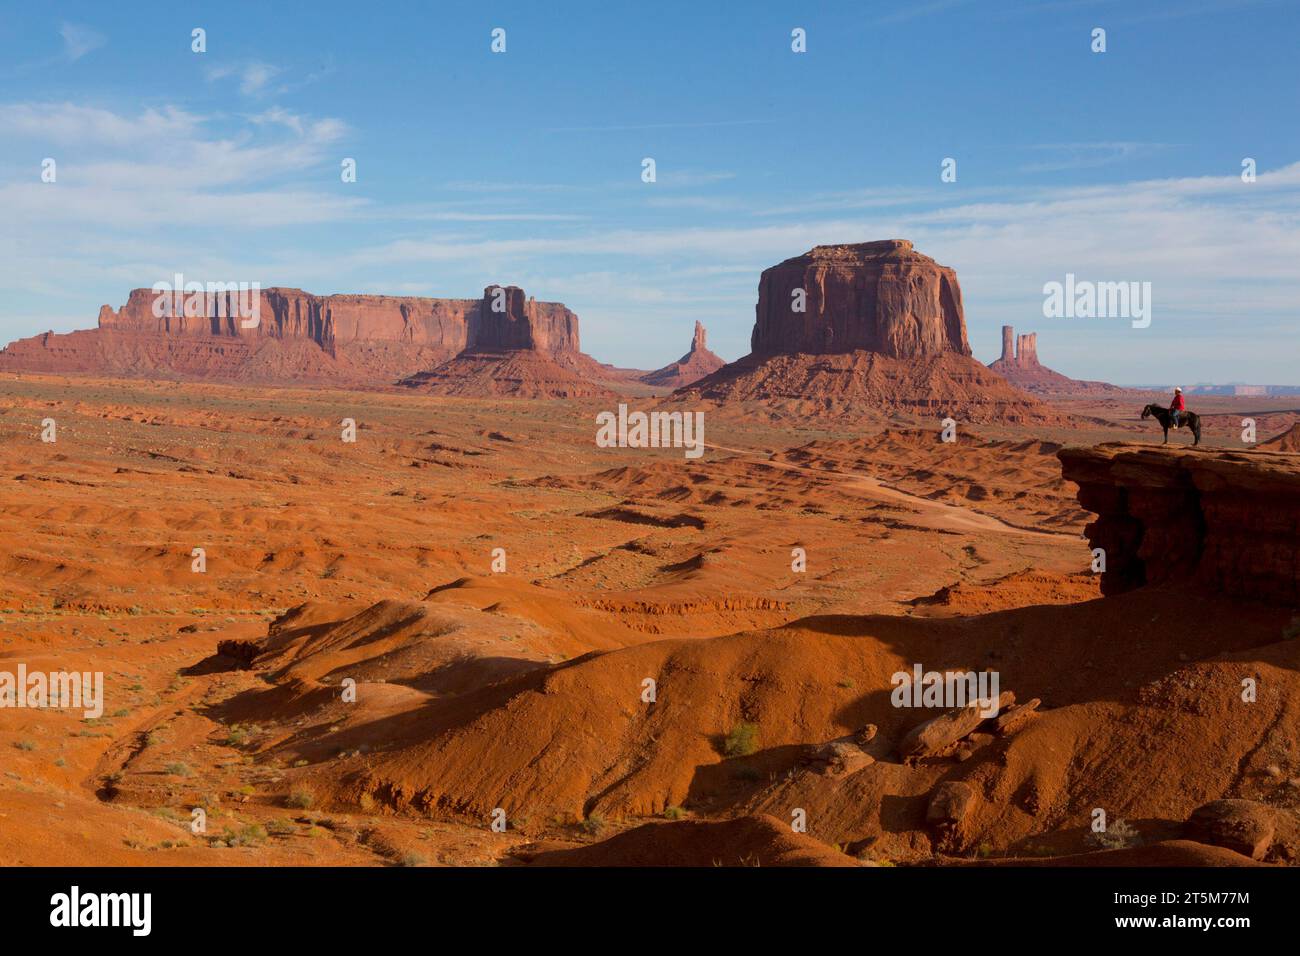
(1019, 365)
(877, 296)
(938, 734)
(1224, 520)
(843, 755)
(691, 367)
(1248, 827)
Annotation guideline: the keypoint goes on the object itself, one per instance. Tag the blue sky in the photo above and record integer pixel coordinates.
(475, 168)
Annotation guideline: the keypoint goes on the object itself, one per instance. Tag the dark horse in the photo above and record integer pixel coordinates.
(1189, 420)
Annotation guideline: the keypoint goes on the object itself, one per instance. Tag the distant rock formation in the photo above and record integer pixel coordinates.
(300, 338)
(351, 340)
(1019, 365)
(691, 367)
(872, 325)
(520, 348)
(881, 297)
(1018, 352)
(1222, 520)
(507, 321)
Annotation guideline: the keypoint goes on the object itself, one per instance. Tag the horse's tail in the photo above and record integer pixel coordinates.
(1196, 429)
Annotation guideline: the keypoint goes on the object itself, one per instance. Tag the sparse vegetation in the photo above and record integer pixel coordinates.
(301, 798)
(674, 813)
(252, 834)
(178, 769)
(594, 825)
(24, 745)
(1117, 836)
(742, 741)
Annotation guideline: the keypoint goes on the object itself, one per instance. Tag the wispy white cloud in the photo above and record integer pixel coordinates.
(78, 40)
(628, 127)
(1063, 156)
(253, 77)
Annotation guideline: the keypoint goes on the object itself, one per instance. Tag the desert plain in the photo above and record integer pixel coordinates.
(430, 645)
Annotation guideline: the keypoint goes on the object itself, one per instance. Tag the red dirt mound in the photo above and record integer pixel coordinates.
(516, 374)
(757, 840)
(846, 383)
(1167, 853)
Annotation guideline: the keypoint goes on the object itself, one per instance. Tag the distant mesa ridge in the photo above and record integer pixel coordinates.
(349, 340)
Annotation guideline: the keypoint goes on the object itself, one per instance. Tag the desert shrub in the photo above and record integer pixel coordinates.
(742, 741)
(254, 834)
(411, 858)
(301, 798)
(178, 769)
(1117, 836)
(594, 825)
(674, 813)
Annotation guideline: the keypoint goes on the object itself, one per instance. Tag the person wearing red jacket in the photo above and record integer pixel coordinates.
(1177, 406)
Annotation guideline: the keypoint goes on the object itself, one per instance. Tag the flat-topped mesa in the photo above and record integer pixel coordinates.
(282, 335)
(875, 296)
(294, 314)
(509, 321)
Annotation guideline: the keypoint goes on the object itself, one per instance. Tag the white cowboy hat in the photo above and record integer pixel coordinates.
(1177, 388)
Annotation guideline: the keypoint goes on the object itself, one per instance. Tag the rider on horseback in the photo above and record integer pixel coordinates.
(1177, 407)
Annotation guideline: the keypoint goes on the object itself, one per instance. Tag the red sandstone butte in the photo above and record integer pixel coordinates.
(882, 329)
(691, 367)
(518, 348)
(880, 296)
(1019, 365)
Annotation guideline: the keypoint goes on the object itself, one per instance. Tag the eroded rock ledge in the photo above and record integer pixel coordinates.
(1226, 520)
